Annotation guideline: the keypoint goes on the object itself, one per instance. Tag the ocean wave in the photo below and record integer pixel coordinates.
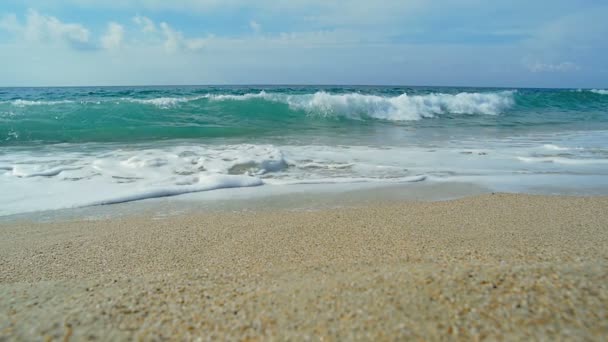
(162, 102)
(399, 108)
(261, 95)
(562, 160)
(599, 91)
(556, 147)
(350, 105)
(27, 103)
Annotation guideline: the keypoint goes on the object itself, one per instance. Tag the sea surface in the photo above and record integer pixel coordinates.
(78, 147)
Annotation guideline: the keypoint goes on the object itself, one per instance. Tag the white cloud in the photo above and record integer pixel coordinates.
(40, 27)
(366, 37)
(210, 5)
(320, 13)
(550, 67)
(146, 24)
(43, 28)
(114, 36)
(255, 26)
(172, 37)
(175, 40)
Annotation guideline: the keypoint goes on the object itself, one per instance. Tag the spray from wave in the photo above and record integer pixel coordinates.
(399, 108)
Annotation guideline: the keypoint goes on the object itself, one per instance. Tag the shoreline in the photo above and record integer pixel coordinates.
(485, 266)
(308, 197)
(265, 198)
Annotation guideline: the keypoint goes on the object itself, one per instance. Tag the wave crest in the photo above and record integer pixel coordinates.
(599, 91)
(27, 103)
(400, 108)
(162, 102)
(350, 105)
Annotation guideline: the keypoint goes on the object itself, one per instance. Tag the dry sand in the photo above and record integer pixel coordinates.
(490, 266)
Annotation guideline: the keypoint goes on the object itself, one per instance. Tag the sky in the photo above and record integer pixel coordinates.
(499, 43)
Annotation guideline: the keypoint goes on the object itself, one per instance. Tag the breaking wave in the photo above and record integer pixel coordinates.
(164, 102)
(323, 104)
(399, 108)
(27, 103)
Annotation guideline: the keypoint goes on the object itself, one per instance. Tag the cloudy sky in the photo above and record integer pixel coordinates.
(511, 43)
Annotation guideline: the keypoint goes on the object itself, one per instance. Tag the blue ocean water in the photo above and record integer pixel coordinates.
(66, 147)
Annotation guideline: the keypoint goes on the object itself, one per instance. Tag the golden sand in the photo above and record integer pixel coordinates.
(490, 266)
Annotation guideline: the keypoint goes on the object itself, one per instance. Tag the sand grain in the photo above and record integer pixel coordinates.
(490, 266)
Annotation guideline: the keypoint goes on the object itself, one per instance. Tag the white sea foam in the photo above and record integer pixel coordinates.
(62, 179)
(399, 108)
(26, 103)
(600, 91)
(349, 180)
(20, 171)
(212, 182)
(553, 147)
(71, 175)
(162, 102)
(561, 160)
(73, 178)
(261, 95)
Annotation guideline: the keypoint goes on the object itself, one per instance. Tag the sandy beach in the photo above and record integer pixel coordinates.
(485, 267)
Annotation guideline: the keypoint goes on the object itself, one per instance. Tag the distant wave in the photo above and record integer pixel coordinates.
(26, 103)
(399, 108)
(595, 91)
(165, 102)
(351, 105)
(562, 160)
(600, 91)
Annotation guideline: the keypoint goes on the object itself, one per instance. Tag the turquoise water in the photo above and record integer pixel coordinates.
(56, 115)
(130, 143)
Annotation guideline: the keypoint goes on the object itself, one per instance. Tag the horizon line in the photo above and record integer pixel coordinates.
(292, 85)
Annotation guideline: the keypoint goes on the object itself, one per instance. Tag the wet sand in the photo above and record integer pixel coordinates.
(489, 266)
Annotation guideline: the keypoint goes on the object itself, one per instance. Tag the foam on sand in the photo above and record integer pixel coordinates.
(207, 183)
(347, 180)
(72, 175)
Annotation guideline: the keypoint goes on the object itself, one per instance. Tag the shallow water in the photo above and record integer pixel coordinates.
(74, 147)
